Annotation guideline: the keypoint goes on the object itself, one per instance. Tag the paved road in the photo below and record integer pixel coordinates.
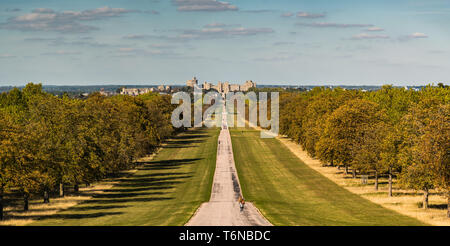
(223, 207)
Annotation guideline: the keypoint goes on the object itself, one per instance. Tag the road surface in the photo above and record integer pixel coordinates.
(223, 207)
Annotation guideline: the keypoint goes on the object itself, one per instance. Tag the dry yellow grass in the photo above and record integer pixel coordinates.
(404, 201)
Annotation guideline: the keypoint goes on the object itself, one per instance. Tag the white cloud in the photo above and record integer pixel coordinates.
(374, 29)
(210, 31)
(418, 35)
(220, 32)
(287, 14)
(216, 24)
(309, 15)
(363, 36)
(139, 52)
(332, 25)
(203, 5)
(259, 11)
(43, 19)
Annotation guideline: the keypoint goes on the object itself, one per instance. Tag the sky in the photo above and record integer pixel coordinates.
(278, 42)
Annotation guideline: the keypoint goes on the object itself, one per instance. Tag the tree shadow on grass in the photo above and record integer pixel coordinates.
(141, 189)
(192, 136)
(126, 194)
(96, 207)
(153, 179)
(438, 206)
(129, 189)
(126, 200)
(151, 186)
(178, 144)
(186, 140)
(63, 216)
(168, 164)
(160, 174)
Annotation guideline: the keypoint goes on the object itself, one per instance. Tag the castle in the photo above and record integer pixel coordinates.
(140, 91)
(222, 87)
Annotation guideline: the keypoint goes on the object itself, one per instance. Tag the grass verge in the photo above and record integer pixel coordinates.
(164, 191)
(288, 192)
(407, 202)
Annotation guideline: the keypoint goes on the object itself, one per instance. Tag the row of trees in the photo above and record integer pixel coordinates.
(47, 142)
(391, 131)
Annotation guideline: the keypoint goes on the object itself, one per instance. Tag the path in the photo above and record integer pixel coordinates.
(223, 207)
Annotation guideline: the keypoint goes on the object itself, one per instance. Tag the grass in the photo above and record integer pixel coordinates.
(164, 191)
(403, 201)
(288, 192)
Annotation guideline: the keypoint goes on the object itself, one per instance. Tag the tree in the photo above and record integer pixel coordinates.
(321, 105)
(7, 130)
(368, 153)
(47, 140)
(344, 130)
(425, 153)
(436, 147)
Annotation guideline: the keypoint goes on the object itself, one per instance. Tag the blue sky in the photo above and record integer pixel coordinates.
(301, 42)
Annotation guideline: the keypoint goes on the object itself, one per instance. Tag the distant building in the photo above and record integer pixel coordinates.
(106, 93)
(227, 87)
(235, 87)
(222, 87)
(247, 85)
(193, 82)
(135, 91)
(218, 87)
(206, 86)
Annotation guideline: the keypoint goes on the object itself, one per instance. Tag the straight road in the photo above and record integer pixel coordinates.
(223, 207)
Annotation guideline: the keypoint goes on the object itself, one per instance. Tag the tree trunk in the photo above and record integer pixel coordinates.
(46, 196)
(346, 170)
(353, 173)
(448, 204)
(76, 188)
(425, 199)
(61, 189)
(1, 203)
(339, 167)
(376, 179)
(390, 183)
(26, 197)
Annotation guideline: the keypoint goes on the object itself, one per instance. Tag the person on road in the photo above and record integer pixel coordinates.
(241, 203)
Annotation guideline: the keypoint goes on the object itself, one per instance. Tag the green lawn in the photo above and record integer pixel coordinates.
(288, 192)
(165, 191)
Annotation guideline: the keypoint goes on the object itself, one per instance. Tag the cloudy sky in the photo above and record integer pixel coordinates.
(309, 42)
